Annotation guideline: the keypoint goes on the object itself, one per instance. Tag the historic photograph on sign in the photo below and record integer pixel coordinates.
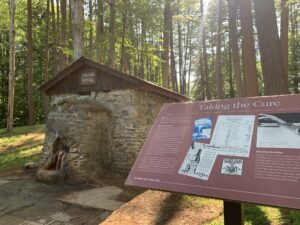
(281, 130)
(232, 166)
(233, 134)
(199, 161)
(202, 129)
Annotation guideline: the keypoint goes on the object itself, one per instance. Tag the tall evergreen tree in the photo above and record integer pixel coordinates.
(269, 46)
(166, 45)
(77, 21)
(234, 46)
(46, 58)
(112, 38)
(284, 33)
(100, 31)
(30, 102)
(11, 76)
(248, 49)
(63, 60)
(218, 63)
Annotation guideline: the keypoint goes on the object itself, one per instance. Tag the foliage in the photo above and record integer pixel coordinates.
(139, 46)
(290, 216)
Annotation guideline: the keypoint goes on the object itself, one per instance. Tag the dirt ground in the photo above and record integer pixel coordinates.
(23, 201)
(163, 208)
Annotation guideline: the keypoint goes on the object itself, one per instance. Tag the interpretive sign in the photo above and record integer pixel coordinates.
(244, 150)
(88, 77)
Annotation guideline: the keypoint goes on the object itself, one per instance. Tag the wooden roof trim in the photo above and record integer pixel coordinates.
(150, 87)
(141, 84)
(137, 80)
(112, 71)
(62, 74)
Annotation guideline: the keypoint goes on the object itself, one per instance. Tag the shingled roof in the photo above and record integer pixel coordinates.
(126, 81)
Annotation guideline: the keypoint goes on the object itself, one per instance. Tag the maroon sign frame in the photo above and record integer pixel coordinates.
(244, 149)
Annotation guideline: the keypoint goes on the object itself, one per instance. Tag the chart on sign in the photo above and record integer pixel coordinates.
(244, 149)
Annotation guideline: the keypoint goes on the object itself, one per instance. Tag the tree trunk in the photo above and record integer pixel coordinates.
(201, 89)
(218, 64)
(77, 21)
(143, 47)
(11, 76)
(284, 40)
(58, 19)
(90, 53)
(30, 64)
(63, 60)
(189, 68)
(173, 62)
(46, 59)
(269, 47)
(166, 45)
(229, 71)
(70, 30)
(295, 46)
(204, 53)
(123, 50)
(54, 49)
(100, 30)
(187, 47)
(248, 49)
(112, 41)
(57, 36)
(180, 58)
(234, 46)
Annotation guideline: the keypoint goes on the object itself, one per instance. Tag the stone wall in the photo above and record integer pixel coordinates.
(103, 130)
(83, 128)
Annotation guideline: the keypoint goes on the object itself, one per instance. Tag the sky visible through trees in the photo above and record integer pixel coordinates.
(205, 49)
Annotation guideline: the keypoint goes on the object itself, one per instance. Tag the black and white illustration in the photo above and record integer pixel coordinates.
(233, 134)
(280, 130)
(199, 161)
(232, 166)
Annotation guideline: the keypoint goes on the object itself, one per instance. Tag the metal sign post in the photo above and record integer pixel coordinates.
(233, 213)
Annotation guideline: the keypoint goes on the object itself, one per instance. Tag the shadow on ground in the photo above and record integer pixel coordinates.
(255, 216)
(290, 216)
(170, 207)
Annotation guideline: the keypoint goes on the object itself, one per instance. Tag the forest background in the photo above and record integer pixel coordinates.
(205, 49)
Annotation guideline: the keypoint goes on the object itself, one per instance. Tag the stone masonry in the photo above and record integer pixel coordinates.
(101, 131)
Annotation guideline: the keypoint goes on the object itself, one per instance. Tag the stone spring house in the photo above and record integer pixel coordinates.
(99, 119)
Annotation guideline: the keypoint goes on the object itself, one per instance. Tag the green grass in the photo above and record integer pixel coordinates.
(263, 215)
(20, 146)
(217, 221)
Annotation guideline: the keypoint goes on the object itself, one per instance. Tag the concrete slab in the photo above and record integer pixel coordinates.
(14, 220)
(26, 202)
(56, 218)
(30, 223)
(24, 177)
(13, 203)
(2, 182)
(60, 217)
(99, 198)
(10, 220)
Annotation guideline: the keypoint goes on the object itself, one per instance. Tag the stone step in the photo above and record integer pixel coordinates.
(98, 198)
